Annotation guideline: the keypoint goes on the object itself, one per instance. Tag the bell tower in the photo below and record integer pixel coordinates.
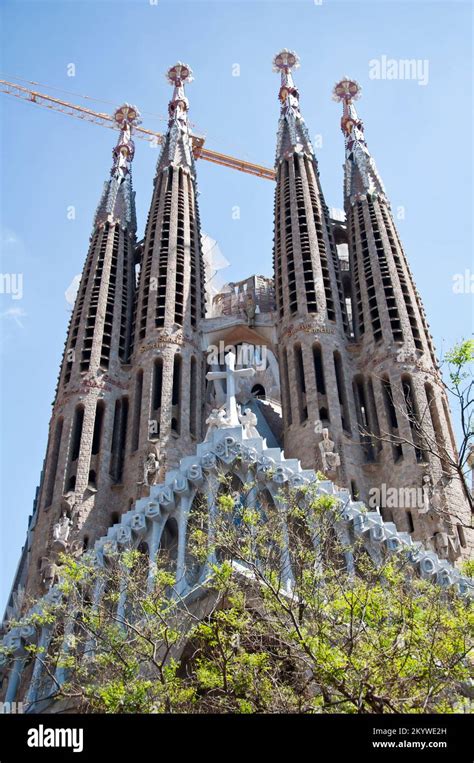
(168, 372)
(312, 323)
(403, 417)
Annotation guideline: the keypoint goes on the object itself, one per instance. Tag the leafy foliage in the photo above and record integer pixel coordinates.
(278, 625)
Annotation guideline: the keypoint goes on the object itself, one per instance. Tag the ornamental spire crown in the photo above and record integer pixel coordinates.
(361, 174)
(293, 136)
(177, 148)
(117, 203)
(126, 117)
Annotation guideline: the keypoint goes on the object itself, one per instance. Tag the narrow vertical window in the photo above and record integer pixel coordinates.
(98, 423)
(413, 418)
(54, 462)
(341, 392)
(77, 432)
(286, 389)
(176, 395)
(157, 388)
(300, 383)
(137, 408)
(193, 392)
(319, 369)
(363, 418)
(392, 418)
(119, 436)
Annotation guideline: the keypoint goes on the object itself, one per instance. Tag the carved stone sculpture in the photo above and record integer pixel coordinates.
(61, 531)
(216, 420)
(248, 420)
(150, 468)
(330, 458)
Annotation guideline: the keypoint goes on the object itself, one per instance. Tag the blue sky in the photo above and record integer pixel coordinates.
(419, 135)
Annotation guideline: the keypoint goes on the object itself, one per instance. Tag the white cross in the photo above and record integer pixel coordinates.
(231, 375)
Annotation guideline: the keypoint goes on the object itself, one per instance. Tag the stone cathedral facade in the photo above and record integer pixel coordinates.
(344, 378)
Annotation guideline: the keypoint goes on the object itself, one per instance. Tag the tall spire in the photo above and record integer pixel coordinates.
(292, 134)
(177, 149)
(361, 175)
(117, 202)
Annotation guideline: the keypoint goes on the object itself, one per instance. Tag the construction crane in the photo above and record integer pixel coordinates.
(156, 138)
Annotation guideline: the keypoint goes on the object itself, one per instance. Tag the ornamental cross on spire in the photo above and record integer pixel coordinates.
(231, 375)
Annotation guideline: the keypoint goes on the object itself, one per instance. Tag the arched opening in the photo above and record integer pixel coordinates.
(77, 432)
(92, 480)
(98, 422)
(193, 395)
(176, 394)
(391, 415)
(168, 549)
(319, 369)
(156, 398)
(324, 415)
(137, 407)
(286, 397)
(119, 436)
(197, 533)
(413, 417)
(300, 382)
(363, 417)
(258, 390)
(341, 392)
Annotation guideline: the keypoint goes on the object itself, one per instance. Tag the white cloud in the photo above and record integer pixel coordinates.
(14, 314)
(71, 290)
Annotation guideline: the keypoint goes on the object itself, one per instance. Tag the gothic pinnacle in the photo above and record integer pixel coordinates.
(292, 131)
(117, 200)
(178, 107)
(361, 176)
(284, 62)
(177, 150)
(126, 117)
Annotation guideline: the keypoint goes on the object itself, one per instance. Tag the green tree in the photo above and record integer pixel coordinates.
(290, 618)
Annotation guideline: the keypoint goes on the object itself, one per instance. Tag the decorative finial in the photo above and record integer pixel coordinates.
(126, 117)
(361, 176)
(346, 90)
(127, 114)
(179, 74)
(292, 134)
(285, 60)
